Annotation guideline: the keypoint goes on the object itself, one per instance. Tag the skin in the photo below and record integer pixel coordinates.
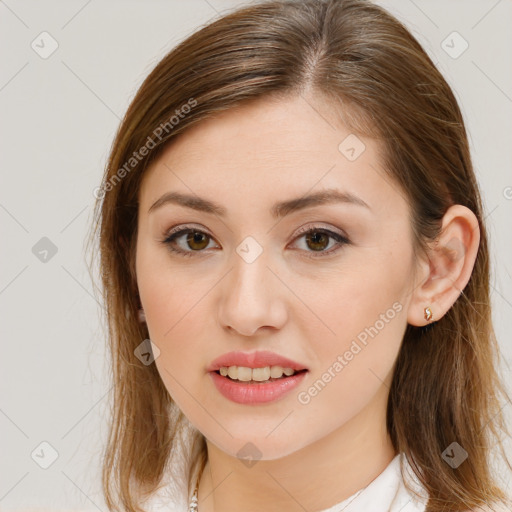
(309, 309)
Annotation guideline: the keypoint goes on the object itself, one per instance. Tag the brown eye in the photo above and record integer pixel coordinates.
(187, 241)
(317, 240)
(197, 240)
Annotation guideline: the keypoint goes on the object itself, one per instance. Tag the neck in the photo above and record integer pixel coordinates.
(315, 477)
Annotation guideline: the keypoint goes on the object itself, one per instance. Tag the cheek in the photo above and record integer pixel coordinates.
(360, 315)
(178, 317)
(175, 316)
(166, 290)
(174, 309)
(357, 360)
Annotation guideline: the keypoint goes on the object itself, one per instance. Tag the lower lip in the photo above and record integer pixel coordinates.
(258, 393)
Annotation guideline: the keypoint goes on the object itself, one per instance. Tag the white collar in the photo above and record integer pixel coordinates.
(387, 492)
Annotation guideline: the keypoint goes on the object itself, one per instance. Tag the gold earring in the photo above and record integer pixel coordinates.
(428, 314)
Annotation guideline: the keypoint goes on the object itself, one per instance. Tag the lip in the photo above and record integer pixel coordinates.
(256, 393)
(258, 359)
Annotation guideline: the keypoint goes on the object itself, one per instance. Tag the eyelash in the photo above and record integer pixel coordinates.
(176, 233)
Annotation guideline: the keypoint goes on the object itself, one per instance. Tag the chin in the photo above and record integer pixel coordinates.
(255, 446)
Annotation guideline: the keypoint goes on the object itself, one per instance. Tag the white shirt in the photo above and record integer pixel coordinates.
(386, 492)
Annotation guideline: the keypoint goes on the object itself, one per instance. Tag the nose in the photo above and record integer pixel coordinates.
(252, 297)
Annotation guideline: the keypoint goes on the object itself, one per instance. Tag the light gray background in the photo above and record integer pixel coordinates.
(58, 119)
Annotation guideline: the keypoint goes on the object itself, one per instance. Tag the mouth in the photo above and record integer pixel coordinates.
(256, 386)
(258, 377)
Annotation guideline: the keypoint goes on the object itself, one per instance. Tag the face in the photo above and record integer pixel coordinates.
(326, 285)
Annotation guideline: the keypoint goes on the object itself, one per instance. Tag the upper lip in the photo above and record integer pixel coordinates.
(258, 359)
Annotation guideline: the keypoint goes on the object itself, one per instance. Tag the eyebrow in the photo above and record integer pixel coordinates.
(278, 210)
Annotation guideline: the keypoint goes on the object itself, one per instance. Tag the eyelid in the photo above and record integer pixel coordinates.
(183, 227)
(300, 231)
(315, 226)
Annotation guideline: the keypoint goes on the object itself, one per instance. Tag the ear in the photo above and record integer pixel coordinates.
(448, 266)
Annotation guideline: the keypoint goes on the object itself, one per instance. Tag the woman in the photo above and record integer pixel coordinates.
(296, 275)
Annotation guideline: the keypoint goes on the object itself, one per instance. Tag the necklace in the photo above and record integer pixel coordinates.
(192, 506)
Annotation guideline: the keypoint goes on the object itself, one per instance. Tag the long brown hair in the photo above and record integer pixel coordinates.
(445, 387)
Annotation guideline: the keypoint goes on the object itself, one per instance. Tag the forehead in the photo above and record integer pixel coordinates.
(268, 148)
(266, 127)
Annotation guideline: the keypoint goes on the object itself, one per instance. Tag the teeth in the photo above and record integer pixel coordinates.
(245, 374)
